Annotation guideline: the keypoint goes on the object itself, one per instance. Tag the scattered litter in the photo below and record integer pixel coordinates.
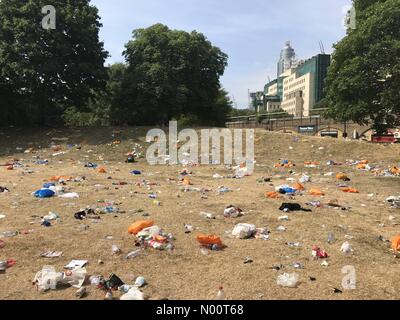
(212, 242)
(207, 215)
(288, 280)
(244, 231)
(51, 254)
(49, 279)
(76, 264)
(232, 212)
(4, 190)
(317, 253)
(288, 207)
(346, 248)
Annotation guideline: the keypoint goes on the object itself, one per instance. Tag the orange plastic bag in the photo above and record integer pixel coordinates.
(312, 163)
(361, 166)
(316, 192)
(395, 170)
(273, 195)
(187, 182)
(396, 243)
(102, 170)
(139, 226)
(342, 176)
(364, 162)
(206, 240)
(299, 186)
(350, 190)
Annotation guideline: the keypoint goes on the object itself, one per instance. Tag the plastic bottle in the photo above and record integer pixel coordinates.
(331, 238)
(133, 254)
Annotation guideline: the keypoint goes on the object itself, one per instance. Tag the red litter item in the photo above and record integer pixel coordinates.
(317, 252)
(11, 263)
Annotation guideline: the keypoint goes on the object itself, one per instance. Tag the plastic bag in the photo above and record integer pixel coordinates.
(134, 294)
(244, 231)
(288, 280)
(139, 226)
(207, 240)
(44, 193)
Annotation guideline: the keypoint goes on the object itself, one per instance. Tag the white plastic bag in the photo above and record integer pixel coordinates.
(244, 231)
(134, 294)
(288, 280)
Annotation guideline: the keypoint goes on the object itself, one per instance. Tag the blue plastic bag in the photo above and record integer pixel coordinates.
(287, 190)
(48, 185)
(44, 193)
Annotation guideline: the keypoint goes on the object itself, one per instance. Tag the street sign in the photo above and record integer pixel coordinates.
(307, 129)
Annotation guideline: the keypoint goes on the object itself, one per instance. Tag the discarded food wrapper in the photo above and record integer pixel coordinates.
(76, 264)
(51, 254)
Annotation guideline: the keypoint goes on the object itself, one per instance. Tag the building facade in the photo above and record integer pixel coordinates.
(287, 58)
(299, 87)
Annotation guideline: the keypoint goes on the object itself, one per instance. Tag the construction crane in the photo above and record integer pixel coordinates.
(321, 46)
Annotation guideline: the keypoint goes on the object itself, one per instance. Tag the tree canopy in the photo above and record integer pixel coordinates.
(57, 75)
(42, 72)
(363, 83)
(171, 73)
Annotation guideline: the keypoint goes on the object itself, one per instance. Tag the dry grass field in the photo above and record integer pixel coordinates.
(186, 272)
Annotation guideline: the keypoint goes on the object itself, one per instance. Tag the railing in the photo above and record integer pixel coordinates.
(315, 113)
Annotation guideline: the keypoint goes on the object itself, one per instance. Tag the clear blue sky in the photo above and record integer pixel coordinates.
(251, 32)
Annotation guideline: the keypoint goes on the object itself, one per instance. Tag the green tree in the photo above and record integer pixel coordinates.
(98, 111)
(171, 73)
(363, 83)
(44, 71)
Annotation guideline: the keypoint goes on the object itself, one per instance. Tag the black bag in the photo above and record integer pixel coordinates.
(293, 207)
